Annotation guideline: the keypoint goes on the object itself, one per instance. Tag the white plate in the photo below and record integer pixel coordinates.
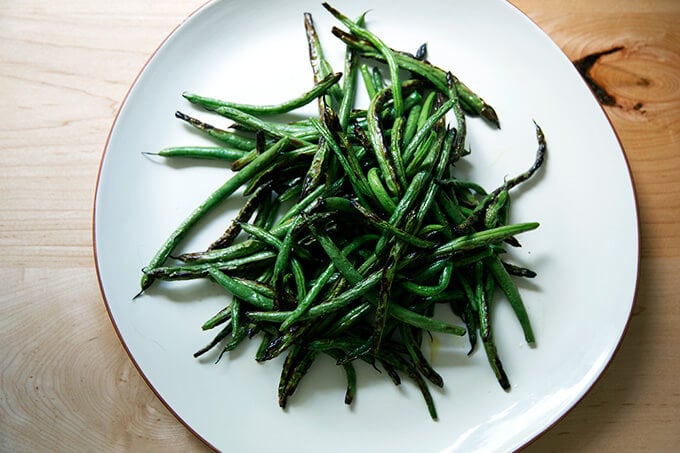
(586, 250)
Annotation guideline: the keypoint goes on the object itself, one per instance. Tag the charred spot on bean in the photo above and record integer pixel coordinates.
(421, 53)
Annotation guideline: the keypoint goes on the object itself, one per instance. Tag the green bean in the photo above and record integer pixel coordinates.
(411, 124)
(395, 150)
(259, 124)
(241, 290)
(269, 215)
(349, 83)
(418, 358)
(340, 261)
(379, 192)
(389, 161)
(424, 322)
(426, 109)
(261, 234)
(457, 183)
(518, 271)
(378, 80)
(201, 152)
(348, 162)
(230, 252)
(262, 348)
(404, 206)
(283, 257)
(413, 99)
(483, 238)
(495, 362)
(299, 277)
(471, 101)
(360, 351)
(369, 83)
(246, 211)
(279, 174)
(237, 338)
(200, 270)
(401, 364)
(351, 376)
(288, 318)
(320, 65)
(461, 124)
(315, 173)
(438, 160)
(412, 269)
(220, 317)
(468, 291)
(300, 371)
(484, 308)
(377, 142)
(324, 308)
(284, 248)
(256, 287)
(220, 194)
(286, 372)
(245, 160)
(319, 89)
(283, 342)
(470, 319)
(224, 333)
(300, 207)
(510, 183)
(301, 130)
(511, 292)
(422, 290)
(385, 292)
(350, 318)
(326, 344)
(230, 138)
(422, 151)
(424, 131)
(385, 51)
(493, 211)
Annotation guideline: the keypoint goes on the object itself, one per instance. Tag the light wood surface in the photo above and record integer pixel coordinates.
(66, 383)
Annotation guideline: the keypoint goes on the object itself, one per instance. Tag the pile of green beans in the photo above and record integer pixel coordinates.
(355, 233)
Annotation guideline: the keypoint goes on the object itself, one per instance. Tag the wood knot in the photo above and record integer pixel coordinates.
(584, 66)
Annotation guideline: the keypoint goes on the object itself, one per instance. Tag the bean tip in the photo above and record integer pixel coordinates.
(489, 114)
(348, 398)
(421, 53)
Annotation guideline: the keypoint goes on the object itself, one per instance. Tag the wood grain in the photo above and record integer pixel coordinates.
(66, 383)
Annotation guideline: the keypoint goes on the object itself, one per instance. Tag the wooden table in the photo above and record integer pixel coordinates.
(66, 383)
